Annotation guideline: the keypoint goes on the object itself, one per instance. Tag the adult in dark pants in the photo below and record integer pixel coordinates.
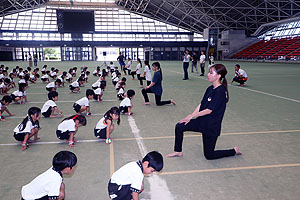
(121, 62)
(207, 117)
(35, 60)
(186, 62)
(155, 87)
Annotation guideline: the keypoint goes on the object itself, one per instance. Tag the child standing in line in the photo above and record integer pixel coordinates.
(49, 185)
(6, 100)
(105, 125)
(28, 127)
(127, 182)
(126, 105)
(50, 106)
(20, 94)
(53, 85)
(121, 93)
(83, 104)
(68, 127)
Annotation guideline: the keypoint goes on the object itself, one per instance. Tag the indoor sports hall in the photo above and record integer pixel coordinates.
(261, 118)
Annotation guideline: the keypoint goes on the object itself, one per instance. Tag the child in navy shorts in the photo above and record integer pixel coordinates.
(83, 104)
(126, 105)
(50, 106)
(105, 125)
(67, 129)
(127, 182)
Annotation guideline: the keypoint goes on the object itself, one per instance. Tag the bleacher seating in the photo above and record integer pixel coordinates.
(286, 48)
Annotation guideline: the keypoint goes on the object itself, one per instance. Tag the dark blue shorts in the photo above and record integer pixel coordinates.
(100, 133)
(63, 135)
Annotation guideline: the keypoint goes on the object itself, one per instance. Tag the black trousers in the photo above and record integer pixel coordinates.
(202, 66)
(158, 100)
(185, 70)
(141, 81)
(209, 142)
(117, 192)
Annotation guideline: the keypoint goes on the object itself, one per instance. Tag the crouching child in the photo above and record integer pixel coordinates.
(127, 182)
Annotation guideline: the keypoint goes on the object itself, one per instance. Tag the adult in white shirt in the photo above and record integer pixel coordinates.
(186, 62)
(240, 75)
(202, 63)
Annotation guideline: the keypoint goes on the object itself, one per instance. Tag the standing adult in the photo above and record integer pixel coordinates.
(155, 87)
(202, 63)
(30, 60)
(186, 62)
(194, 62)
(240, 75)
(207, 117)
(121, 62)
(35, 59)
(211, 59)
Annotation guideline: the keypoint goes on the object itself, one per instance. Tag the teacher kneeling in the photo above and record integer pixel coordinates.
(207, 117)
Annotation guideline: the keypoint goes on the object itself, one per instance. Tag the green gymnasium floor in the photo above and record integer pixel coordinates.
(262, 118)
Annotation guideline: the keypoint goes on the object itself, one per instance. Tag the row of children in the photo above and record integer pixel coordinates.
(125, 184)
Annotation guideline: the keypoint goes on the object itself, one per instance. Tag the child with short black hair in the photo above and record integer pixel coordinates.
(121, 93)
(105, 125)
(68, 127)
(20, 94)
(83, 104)
(75, 86)
(69, 76)
(62, 79)
(11, 78)
(53, 85)
(5, 86)
(116, 78)
(126, 105)
(28, 127)
(50, 106)
(96, 72)
(49, 185)
(6, 100)
(118, 83)
(99, 91)
(86, 76)
(45, 77)
(127, 182)
(74, 70)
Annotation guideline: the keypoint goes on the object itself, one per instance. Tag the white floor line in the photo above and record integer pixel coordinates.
(252, 90)
(108, 100)
(65, 115)
(52, 142)
(269, 94)
(158, 186)
(32, 93)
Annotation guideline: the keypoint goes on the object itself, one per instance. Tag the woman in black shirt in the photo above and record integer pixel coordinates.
(207, 117)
